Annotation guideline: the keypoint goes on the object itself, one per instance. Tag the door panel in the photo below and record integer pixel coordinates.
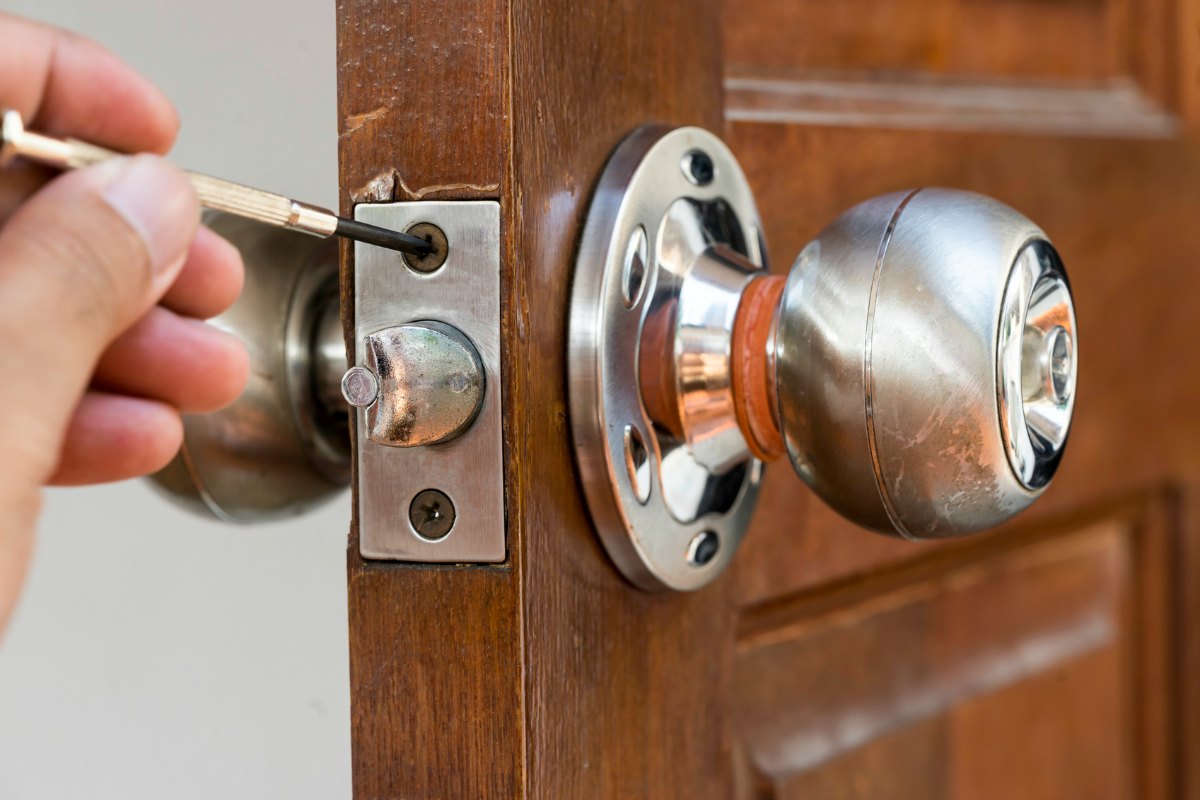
(1047, 659)
(1013, 660)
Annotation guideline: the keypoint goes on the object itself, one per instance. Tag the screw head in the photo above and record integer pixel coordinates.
(436, 237)
(698, 167)
(432, 514)
(360, 387)
(703, 548)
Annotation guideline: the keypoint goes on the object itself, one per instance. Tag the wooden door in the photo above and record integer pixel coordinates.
(1055, 658)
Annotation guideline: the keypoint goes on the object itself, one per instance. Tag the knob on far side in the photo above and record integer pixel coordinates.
(920, 366)
(284, 446)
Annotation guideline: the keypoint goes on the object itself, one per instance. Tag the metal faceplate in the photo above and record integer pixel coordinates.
(463, 293)
(670, 507)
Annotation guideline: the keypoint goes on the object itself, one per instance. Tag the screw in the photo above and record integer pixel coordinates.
(430, 262)
(360, 387)
(431, 514)
(698, 167)
(703, 548)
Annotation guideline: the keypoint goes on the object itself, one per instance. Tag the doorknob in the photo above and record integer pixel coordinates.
(283, 447)
(916, 365)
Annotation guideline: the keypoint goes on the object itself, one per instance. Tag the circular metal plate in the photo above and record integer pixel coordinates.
(632, 263)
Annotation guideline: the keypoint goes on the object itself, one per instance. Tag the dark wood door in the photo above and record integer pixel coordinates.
(1052, 659)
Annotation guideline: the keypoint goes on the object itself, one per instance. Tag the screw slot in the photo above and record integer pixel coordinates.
(698, 167)
(703, 548)
(436, 237)
(432, 514)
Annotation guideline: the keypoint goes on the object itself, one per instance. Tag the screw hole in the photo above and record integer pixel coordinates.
(430, 262)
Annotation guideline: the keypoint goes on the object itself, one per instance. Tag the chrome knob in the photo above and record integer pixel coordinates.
(924, 357)
(917, 365)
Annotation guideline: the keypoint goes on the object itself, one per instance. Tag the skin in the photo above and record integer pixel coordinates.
(105, 278)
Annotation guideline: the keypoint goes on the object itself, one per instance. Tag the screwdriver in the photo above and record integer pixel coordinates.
(214, 193)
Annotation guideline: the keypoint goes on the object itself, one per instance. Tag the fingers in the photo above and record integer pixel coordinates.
(64, 84)
(184, 362)
(211, 279)
(79, 263)
(112, 438)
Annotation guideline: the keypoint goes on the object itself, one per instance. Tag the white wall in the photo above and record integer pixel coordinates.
(155, 655)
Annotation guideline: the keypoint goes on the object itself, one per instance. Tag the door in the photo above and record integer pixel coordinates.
(1053, 658)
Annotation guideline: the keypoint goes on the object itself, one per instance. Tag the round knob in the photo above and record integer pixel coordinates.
(284, 446)
(917, 365)
(919, 369)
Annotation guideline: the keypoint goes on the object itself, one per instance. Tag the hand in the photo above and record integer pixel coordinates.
(104, 278)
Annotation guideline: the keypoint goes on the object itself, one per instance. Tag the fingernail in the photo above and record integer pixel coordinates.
(158, 202)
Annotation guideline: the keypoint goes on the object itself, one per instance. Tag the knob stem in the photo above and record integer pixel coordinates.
(754, 366)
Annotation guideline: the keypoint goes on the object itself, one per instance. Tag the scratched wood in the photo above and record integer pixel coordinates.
(549, 676)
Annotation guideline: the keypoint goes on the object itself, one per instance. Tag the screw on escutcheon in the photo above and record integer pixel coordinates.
(698, 167)
(431, 514)
(703, 548)
(436, 238)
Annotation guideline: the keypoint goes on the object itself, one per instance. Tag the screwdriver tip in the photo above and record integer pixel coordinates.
(382, 237)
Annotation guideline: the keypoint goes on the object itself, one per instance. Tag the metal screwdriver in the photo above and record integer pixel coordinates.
(214, 193)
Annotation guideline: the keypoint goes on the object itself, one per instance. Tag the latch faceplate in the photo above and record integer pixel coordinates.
(437, 502)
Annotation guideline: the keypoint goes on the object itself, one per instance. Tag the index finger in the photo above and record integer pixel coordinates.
(67, 85)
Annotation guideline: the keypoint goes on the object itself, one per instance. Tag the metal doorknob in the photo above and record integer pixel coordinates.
(917, 365)
(283, 447)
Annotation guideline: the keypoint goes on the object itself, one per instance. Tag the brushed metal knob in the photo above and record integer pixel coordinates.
(924, 361)
(283, 447)
(917, 365)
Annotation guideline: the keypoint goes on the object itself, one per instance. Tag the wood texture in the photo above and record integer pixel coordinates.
(422, 99)
(1078, 41)
(551, 677)
(435, 652)
(625, 691)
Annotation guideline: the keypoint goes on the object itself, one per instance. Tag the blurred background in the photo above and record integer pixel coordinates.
(153, 654)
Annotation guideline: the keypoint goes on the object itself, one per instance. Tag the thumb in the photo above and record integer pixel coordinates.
(80, 262)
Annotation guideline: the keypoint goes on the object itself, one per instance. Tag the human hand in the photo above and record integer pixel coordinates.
(104, 278)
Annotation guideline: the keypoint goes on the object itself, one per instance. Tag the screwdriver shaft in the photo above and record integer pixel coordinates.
(214, 193)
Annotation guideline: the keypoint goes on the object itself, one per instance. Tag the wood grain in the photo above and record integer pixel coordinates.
(422, 99)
(816, 680)
(435, 652)
(626, 691)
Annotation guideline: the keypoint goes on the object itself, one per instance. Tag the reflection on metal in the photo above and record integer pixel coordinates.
(283, 447)
(436, 382)
(428, 383)
(671, 240)
(1037, 361)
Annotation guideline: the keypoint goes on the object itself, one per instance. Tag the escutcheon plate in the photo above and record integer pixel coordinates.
(669, 507)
